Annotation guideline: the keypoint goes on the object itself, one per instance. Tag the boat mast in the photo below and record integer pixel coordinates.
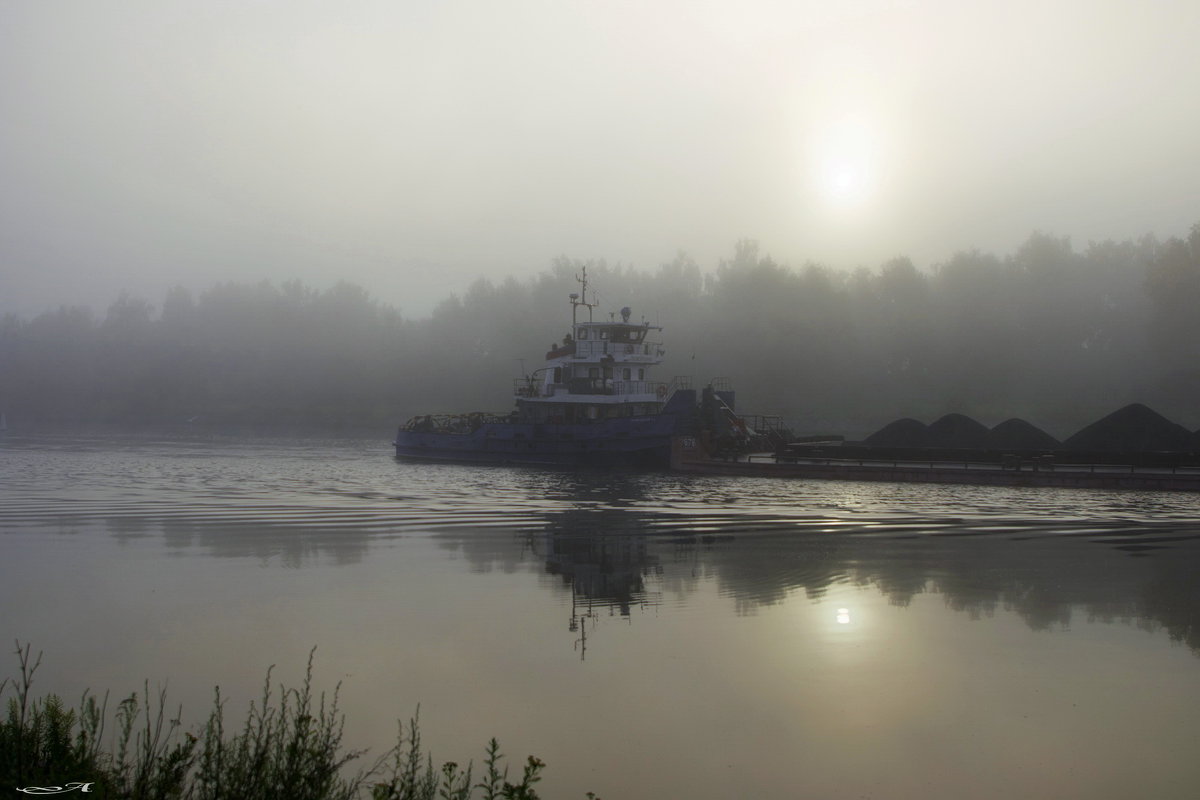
(580, 299)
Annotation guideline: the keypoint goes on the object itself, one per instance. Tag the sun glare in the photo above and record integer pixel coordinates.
(846, 181)
(842, 158)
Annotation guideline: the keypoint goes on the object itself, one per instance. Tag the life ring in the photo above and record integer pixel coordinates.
(661, 392)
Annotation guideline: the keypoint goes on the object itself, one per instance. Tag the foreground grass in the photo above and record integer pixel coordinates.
(289, 746)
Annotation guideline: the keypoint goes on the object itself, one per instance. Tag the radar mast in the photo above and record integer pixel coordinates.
(580, 299)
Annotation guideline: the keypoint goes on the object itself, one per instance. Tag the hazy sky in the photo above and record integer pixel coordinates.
(411, 146)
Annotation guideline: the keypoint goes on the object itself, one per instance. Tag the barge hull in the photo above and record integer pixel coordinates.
(688, 455)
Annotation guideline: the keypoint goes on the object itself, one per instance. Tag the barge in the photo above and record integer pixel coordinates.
(1142, 471)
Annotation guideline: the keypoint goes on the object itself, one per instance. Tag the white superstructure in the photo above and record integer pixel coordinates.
(601, 370)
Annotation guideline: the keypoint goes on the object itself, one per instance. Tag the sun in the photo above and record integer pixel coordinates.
(847, 182)
(843, 161)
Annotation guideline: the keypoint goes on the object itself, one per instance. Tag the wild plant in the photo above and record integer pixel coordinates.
(289, 746)
(39, 738)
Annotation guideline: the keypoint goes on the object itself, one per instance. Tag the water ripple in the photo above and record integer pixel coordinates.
(306, 485)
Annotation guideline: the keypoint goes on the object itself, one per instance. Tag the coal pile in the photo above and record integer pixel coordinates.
(956, 432)
(1017, 434)
(1132, 429)
(901, 433)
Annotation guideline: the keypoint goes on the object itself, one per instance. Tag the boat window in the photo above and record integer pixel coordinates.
(604, 333)
(583, 333)
(593, 372)
(627, 335)
(641, 374)
(558, 374)
(627, 373)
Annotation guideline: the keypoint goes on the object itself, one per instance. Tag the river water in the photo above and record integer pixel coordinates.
(647, 635)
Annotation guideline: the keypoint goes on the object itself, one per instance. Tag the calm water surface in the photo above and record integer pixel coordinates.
(649, 635)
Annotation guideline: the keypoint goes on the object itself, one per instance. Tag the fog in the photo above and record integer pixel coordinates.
(1056, 335)
(413, 147)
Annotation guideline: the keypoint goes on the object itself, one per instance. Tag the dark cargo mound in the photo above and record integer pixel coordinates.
(1017, 434)
(957, 432)
(1132, 429)
(901, 433)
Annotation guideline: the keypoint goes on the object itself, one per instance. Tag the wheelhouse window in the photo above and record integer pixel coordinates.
(629, 335)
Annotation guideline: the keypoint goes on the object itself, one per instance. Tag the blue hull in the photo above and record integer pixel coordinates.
(643, 442)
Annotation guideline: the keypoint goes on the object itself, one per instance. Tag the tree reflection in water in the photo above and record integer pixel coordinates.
(1045, 572)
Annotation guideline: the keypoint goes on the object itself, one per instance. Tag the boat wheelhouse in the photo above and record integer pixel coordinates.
(601, 370)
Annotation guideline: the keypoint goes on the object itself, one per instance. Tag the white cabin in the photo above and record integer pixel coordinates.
(600, 370)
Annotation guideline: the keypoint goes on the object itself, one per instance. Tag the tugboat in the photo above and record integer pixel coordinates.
(593, 403)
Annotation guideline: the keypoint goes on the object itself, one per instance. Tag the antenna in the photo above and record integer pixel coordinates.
(580, 299)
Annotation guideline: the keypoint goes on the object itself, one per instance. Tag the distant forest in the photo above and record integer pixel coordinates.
(1051, 335)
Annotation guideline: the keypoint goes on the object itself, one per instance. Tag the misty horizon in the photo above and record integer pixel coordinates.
(1056, 337)
(456, 291)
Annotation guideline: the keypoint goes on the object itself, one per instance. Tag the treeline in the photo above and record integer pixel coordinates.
(1050, 334)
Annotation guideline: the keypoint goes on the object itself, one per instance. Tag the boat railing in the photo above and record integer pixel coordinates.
(612, 386)
(454, 423)
(591, 386)
(526, 387)
(657, 388)
(640, 351)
